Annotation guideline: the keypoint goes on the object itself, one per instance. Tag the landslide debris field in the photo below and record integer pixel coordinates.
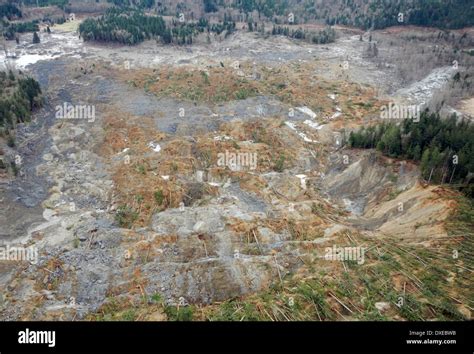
(143, 213)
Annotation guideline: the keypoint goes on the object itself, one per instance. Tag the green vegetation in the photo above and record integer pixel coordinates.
(19, 96)
(13, 28)
(328, 35)
(210, 6)
(314, 293)
(236, 310)
(54, 20)
(117, 309)
(267, 8)
(143, 4)
(122, 309)
(42, 3)
(159, 197)
(141, 169)
(9, 11)
(132, 26)
(376, 14)
(445, 147)
(280, 163)
(127, 23)
(126, 216)
(244, 93)
(443, 14)
(294, 300)
(183, 313)
(124, 26)
(381, 14)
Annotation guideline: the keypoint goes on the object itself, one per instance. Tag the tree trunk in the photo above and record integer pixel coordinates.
(452, 174)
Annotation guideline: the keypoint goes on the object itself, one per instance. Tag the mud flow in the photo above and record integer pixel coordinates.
(217, 178)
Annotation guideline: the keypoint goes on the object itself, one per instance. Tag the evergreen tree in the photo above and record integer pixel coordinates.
(433, 141)
(416, 153)
(36, 38)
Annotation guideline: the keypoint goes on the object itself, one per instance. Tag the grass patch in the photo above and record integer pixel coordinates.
(126, 216)
(159, 197)
(279, 164)
(179, 313)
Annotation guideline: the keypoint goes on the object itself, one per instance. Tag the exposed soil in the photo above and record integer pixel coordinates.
(134, 202)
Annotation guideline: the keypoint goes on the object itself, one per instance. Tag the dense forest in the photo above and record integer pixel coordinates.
(376, 14)
(10, 11)
(328, 35)
(19, 96)
(10, 29)
(445, 147)
(42, 3)
(131, 26)
(365, 14)
(267, 8)
(138, 3)
(449, 14)
(124, 26)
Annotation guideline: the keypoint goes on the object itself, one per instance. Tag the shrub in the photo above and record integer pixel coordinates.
(279, 164)
(159, 197)
(126, 216)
